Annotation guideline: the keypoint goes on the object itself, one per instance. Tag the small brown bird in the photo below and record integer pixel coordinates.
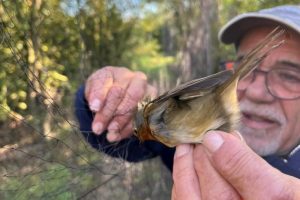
(185, 113)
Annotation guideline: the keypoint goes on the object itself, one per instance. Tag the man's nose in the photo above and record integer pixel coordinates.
(257, 90)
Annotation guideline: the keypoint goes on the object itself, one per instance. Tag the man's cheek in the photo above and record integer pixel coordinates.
(240, 94)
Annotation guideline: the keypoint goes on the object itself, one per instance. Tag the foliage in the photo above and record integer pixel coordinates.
(55, 181)
(48, 48)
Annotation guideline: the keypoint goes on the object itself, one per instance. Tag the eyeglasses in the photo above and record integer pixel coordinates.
(281, 82)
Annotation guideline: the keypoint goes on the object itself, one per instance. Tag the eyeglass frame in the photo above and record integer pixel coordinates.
(265, 73)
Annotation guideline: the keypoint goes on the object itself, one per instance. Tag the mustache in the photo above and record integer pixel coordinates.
(263, 111)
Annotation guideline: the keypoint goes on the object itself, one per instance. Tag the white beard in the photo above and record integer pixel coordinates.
(263, 141)
(260, 141)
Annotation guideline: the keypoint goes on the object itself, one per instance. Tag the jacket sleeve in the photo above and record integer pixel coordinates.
(129, 149)
(289, 164)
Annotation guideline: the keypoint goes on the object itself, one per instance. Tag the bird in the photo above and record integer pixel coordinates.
(185, 113)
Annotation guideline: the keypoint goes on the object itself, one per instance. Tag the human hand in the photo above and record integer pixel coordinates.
(113, 94)
(224, 167)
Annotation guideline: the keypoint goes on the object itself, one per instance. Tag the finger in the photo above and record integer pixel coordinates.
(117, 133)
(212, 184)
(119, 122)
(184, 175)
(248, 173)
(122, 119)
(126, 132)
(103, 117)
(134, 93)
(97, 87)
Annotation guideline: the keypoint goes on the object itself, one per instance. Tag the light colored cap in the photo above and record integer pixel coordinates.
(287, 15)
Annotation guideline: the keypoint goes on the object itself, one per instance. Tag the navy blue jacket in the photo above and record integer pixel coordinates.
(133, 150)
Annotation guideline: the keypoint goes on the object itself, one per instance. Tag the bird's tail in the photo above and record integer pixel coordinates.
(251, 60)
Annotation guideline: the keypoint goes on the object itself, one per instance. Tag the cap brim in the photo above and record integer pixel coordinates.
(236, 28)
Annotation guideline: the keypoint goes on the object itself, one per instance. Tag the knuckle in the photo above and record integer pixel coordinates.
(109, 110)
(108, 68)
(126, 111)
(105, 73)
(120, 70)
(236, 164)
(120, 73)
(107, 113)
(184, 175)
(135, 95)
(281, 191)
(182, 171)
(122, 119)
(95, 89)
(98, 76)
(128, 105)
(141, 75)
(116, 92)
(110, 72)
(102, 71)
(226, 194)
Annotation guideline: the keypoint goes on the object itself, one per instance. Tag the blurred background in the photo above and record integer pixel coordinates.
(47, 50)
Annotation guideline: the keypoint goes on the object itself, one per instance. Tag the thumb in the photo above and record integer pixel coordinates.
(249, 174)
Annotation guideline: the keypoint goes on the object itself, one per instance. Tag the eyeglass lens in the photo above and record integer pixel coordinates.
(283, 83)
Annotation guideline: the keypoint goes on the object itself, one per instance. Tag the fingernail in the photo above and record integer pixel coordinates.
(239, 135)
(213, 141)
(97, 128)
(182, 149)
(113, 137)
(95, 105)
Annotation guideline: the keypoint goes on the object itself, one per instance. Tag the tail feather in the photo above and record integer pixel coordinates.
(255, 56)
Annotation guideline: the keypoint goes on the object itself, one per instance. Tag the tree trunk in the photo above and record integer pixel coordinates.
(39, 95)
(197, 55)
(35, 66)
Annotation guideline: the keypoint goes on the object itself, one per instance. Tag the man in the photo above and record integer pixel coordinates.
(224, 167)
(269, 100)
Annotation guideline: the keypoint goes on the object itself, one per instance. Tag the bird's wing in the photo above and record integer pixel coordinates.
(196, 87)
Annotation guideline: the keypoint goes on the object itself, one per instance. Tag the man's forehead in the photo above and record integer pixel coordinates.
(289, 50)
(255, 35)
(279, 58)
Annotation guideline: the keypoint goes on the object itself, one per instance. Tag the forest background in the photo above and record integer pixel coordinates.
(47, 50)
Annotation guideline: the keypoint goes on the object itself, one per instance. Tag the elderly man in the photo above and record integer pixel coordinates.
(224, 167)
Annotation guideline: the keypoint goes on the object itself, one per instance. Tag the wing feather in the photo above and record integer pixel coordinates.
(195, 88)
